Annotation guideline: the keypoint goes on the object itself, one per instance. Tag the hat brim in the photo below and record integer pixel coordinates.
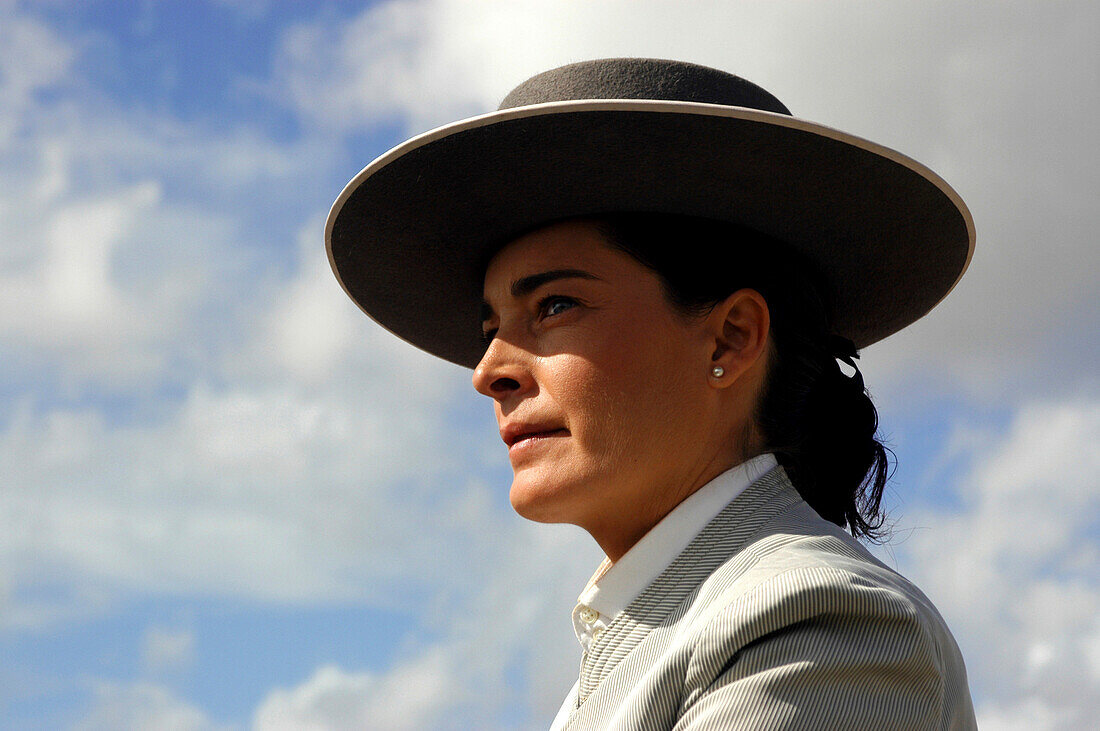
(410, 235)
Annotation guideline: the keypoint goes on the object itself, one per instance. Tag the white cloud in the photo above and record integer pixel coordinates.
(70, 292)
(144, 706)
(1015, 570)
(506, 645)
(410, 697)
(284, 465)
(164, 649)
(134, 248)
(295, 473)
(97, 286)
(311, 328)
(34, 58)
(257, 492)
(1029, 714)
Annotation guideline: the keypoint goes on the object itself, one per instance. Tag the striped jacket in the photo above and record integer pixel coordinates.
(773, 618)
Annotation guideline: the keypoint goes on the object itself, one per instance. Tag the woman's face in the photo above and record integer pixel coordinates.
(602, 391)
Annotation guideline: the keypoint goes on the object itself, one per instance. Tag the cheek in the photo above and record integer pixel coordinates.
(587, 390)
(629, 402)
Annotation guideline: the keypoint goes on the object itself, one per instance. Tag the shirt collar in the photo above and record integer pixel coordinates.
(613, 586)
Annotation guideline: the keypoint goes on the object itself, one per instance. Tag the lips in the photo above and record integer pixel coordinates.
(516, 433)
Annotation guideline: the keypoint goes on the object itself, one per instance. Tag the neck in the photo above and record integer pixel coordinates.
(622, 529)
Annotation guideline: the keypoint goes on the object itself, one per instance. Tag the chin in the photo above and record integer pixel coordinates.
(542, 499)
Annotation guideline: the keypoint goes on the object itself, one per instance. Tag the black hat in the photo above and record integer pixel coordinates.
(410, 235)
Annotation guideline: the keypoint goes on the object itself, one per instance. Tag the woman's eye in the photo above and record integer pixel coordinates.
(556, 305)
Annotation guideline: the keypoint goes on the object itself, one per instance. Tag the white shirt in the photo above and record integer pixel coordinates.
(614, 585)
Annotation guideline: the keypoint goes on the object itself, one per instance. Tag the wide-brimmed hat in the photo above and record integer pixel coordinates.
(410, 235)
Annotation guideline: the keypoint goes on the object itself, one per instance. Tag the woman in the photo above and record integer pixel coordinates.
(667, 267)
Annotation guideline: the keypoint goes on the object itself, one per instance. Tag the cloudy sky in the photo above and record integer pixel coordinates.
(228, 501)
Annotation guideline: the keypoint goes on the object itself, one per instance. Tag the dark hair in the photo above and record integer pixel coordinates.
(818, 421)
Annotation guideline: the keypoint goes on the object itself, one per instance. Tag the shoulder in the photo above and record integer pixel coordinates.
(799, 566)
(804, 595)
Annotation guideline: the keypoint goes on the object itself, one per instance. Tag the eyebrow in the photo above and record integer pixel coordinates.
(526, 285)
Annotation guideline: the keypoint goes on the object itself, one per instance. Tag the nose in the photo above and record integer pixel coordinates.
(502, 372)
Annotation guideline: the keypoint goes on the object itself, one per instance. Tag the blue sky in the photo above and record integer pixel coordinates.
(228, 500)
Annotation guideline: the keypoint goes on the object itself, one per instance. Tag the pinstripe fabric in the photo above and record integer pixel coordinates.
(774, 618)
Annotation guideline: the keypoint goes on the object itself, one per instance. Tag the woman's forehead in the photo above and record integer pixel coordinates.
(566, 244)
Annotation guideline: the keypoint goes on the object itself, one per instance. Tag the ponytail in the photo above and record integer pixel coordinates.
(821, 425)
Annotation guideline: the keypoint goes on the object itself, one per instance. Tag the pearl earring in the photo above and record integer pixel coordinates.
(718, 371)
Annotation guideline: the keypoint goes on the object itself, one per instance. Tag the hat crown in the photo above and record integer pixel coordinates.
(642, 78)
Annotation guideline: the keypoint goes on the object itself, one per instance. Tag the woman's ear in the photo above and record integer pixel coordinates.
(738, 327)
